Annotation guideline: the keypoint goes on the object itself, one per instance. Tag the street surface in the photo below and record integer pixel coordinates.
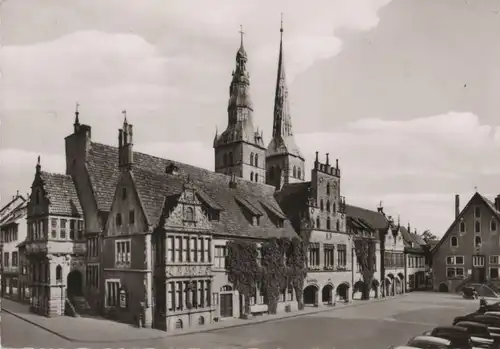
(374, 325)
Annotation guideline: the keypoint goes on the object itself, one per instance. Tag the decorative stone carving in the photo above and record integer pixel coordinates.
(187, 270)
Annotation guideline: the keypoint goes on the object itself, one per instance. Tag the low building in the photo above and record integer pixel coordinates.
(469, 251)
(12, 232)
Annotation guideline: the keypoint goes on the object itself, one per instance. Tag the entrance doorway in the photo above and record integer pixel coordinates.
(226, 305)
(74, 284)
(311, 295)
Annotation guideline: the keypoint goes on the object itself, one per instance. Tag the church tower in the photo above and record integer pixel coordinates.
(240, 149)
(284, 161)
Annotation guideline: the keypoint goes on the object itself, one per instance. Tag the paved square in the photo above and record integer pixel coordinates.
(374, 325)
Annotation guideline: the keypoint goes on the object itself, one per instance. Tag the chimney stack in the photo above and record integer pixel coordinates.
(497, 202)
(457, 205)
(327, 159)
(232, 181)
(125, 145)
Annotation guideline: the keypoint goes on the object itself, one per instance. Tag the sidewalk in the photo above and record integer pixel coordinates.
(101, 330)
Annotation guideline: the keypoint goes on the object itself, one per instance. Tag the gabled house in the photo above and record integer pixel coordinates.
(469, 251)
(394, 259)
(415, 259)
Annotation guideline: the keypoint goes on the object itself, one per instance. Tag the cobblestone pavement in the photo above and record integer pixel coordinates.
(374, 325)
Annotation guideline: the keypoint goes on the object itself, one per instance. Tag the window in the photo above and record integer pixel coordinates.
(170, 296)
(189, 214)
(478, 261)
(256, 177)
(494, 273)
(452, 260)
(206, 251)
(200, 250)
(92, 246)
(80, 230)
(170, 249)
(192, 250)
(118, 219)
(220, 257)
(493, 225)
(131, 217)
(207, 293)
(321, 204)
(318, 223)
(453, 273)
(329, 252)
(72, 229)
(462, 227)
(92, 276)
(6, 259)
(494, 260)
(251, 176)
(477, 241)
(122, 252)
(256, 160)
(454, 241)
(251, 159)
(185, 249)
(178, 249)
(112, 293)
(342, 255)
(62, 233)
(337, 225)
(477, 212)
(299, 174)
(328, 223)
(313, 254)
(478, 227)
(178, 296)
(58, 274)
(14, 259)
(327, 205)
(328, 189)
(124, 193)
(294, 171)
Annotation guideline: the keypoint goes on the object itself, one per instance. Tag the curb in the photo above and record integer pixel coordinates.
(269, 318)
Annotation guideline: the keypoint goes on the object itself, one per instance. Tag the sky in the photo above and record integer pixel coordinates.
(402, 92)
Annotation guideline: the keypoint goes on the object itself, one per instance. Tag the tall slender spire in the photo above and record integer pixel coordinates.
(282, 123)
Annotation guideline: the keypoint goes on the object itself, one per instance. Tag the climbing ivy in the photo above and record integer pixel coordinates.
(366, 256)
(283, 264)
(243, 269)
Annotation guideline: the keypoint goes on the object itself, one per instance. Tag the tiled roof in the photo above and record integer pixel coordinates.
(11, 205)
(153, 183)
(418, 239)
(375, 219)
(61, 192)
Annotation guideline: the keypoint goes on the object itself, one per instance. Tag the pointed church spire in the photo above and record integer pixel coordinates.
(282, 121)
(38, 166)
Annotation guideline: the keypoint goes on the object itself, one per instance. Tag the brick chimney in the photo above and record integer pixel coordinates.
(125, 145)
(457, 205)
(232, 181)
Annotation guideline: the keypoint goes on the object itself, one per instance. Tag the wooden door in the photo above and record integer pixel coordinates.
(226, 305)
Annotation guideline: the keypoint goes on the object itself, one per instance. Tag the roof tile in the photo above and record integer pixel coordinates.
(62, 195)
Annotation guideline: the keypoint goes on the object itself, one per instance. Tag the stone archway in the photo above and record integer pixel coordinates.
(327, 294)
(343, 291)
(403, 282)
(311, 295)
(443, 287)
(74, 284)
(357, 290)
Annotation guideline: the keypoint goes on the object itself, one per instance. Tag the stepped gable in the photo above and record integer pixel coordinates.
(154, 185)
(373, 218)
(61, 192)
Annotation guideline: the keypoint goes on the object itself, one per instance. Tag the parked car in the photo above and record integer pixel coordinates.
(493, 313)
(480, 335)
(458, 336)
(493, 323)
(430, 342)
(489, 306)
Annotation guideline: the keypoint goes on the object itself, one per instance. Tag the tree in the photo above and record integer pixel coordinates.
(243, 269)
(296, 263)
(274, 271)
(365, 254)
(428, 236)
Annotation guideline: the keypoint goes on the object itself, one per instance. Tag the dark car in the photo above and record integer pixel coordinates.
(489, 307)
(493, 323)
(458, 336)
(430, 342)
(479, 333)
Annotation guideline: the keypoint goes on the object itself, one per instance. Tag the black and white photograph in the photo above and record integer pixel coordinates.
(250, 174)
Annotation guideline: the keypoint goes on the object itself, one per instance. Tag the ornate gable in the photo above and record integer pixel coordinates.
(185, 212)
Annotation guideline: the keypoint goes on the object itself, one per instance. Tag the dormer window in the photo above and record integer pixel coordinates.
(299, 174)
(493, 225)
(189, 214)
(462, 227)
(256, 220)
